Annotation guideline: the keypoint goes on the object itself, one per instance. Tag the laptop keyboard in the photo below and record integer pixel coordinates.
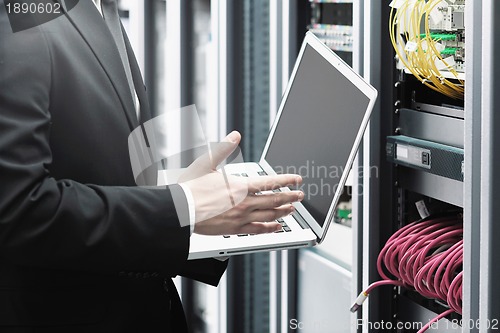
(284, 226)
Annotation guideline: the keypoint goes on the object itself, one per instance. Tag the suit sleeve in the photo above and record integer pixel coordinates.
(207, 271)
(64, 224)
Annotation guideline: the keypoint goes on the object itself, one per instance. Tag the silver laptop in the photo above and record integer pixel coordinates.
(317, 132)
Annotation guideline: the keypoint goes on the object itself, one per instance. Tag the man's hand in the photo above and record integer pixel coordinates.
(225, 204)
(251, 214)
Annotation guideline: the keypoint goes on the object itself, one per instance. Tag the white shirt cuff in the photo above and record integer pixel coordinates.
(190, 202)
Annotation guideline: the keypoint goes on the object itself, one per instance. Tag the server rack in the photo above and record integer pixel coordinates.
(403, 112)
(400, 114)
(466, 127)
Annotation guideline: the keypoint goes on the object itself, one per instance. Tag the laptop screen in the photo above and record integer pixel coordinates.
(317, 129)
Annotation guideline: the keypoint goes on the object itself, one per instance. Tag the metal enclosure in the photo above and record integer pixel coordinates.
(477, 195)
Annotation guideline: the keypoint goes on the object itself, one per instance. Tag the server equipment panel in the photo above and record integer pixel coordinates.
(421, 250)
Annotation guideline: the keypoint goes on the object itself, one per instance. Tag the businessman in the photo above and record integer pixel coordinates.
(82, 249)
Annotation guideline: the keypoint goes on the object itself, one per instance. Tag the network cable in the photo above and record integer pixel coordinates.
(426, 256)
(420, 52)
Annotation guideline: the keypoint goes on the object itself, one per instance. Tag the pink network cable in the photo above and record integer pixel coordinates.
(425, 256)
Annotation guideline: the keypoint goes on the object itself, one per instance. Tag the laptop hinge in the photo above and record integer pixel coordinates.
(300, 220)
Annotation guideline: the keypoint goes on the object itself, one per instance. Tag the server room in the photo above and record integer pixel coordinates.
(249, 166)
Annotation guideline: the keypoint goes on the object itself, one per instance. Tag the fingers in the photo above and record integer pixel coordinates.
(268, 207)
(274, 200)
(260, 228)
(268, 215)
(234, 137)
(220, 151)
(216, 154)
(267, 183)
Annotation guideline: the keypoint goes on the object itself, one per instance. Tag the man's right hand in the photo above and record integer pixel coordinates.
(226, 204)
(251, 212)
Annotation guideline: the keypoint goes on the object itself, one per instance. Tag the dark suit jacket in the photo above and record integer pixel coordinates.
(82, 249)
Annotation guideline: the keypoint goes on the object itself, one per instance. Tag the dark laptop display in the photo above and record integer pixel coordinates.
(339, 107)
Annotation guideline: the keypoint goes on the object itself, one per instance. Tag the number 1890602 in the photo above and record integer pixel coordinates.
(33, 8)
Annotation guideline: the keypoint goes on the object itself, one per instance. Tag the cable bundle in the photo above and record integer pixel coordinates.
(420, 53)
(425, 256)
